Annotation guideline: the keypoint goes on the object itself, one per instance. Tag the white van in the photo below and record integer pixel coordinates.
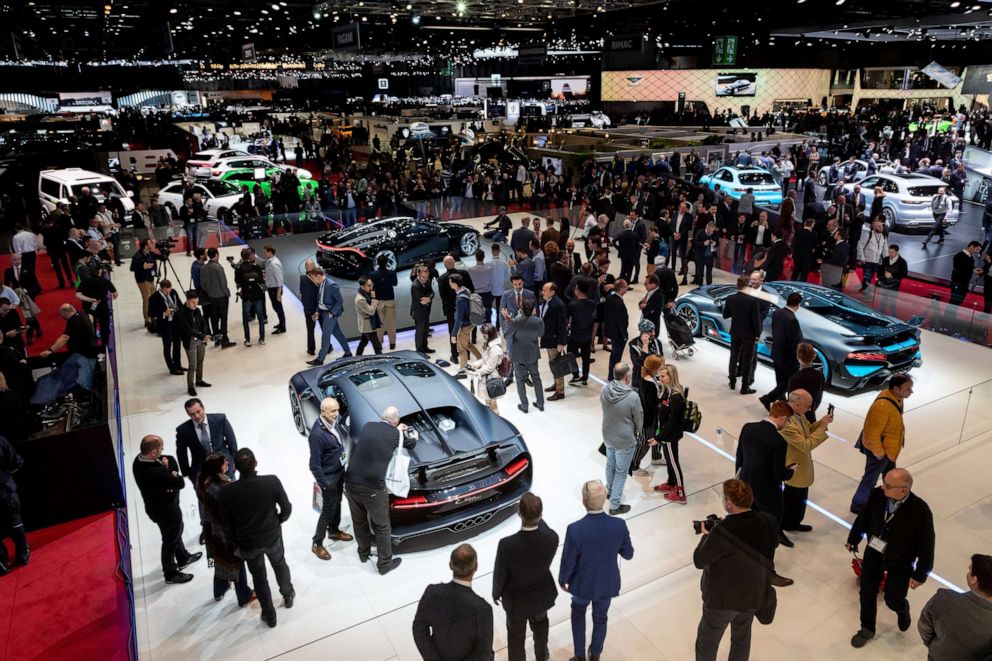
(57, 185)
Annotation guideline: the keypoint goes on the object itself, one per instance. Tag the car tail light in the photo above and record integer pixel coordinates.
(870, 357)
(916, 201)
(409, 503)
(324, 246)
(517, 467)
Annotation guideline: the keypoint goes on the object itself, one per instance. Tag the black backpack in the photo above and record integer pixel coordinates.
(252, 284)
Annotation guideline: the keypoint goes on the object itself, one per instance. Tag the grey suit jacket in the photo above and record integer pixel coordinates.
(508, 302)
(524, 337)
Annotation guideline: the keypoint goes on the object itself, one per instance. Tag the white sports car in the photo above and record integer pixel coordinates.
(201, 162)
(218, 197)
(252, 162)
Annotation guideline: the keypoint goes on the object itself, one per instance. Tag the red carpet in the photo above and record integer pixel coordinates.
(51, 298)
(67, 603)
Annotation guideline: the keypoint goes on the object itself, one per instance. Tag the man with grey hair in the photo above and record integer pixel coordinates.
(622, 420)
(365, 485)
(590, 571)
(327, 461)
(628, 246)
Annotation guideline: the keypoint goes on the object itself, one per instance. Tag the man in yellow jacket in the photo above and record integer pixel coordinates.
(802, 436)
(883, 436)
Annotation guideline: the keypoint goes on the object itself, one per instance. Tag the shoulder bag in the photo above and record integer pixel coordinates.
(398, 471)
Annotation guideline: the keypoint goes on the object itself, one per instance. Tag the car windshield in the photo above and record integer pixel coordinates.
(756, 178)
(220, 188)
(99, 188)
(923, 191)
(371, 380)
(203, 156)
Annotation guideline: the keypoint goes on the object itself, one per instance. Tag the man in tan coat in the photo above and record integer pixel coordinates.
(802, 436)
(883, 436)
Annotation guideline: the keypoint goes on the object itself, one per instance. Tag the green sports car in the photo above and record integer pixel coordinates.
(246, 177)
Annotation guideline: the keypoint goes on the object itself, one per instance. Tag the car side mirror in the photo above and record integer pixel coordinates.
(130, 193)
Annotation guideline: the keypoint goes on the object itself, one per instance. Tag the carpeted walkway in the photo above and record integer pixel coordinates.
(67, 602)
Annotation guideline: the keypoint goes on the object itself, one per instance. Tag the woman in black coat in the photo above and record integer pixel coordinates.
(670, 421)
(649, 389)
(228, 567)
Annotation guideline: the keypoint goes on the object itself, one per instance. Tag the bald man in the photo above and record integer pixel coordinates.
(802, 437)
(898, 526)
(327, 460)
(78, 335)
(365, 485)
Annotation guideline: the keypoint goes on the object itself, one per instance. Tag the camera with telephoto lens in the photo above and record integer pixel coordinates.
(166, 245)
(710, 521)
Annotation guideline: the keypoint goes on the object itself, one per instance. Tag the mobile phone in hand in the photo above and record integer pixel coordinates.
(830, 409)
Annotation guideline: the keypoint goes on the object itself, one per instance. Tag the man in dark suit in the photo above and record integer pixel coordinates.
(327, 457)
(654, 300)
(512, 302)
(554, 314)
(682, 224)
(448, 296)
(736, 558)
(760, 462)
(522, 236)
(899, 527)
(522, 579)
(16, 276)
(745, 329)
(962, 269)
(615, 324)
(628, 245)
(330, 307)
(421, 300)
(452, 622)
(159, 481)
(523, 336)
(774, 264)
(162, 308)
(590, 571)
(786, 338)
(253, 510)
(199, 436)
(310, 297)
(803, 250)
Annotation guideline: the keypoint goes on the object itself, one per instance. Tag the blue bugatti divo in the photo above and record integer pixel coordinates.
(856, 346)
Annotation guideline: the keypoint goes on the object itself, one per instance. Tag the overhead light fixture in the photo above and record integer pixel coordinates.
(173, 11)
(840, 2)
(955, 4)
(415, 19)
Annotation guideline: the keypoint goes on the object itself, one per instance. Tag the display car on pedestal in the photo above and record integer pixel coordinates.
(469, 467)
(855, 346)
(402, 240)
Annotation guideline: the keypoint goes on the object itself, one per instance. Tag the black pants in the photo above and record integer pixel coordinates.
(782, 375)
(958, 293)
(938, 229)
(704, 270)
(60, 263)
(617, 345)
(581, 348)
(741, 355)
(370, 516)
(173, 550)
(367, 338)
(421, 324)
(255, 558)
(329, 520)
(713, 625)
(277, 307)
(794, 506)
(873, 569)
(171, 344)
(671, 450)
(217, 311)
(800, 270)
(311, 325)
(12, 526)
(626, 268)
(516, 632)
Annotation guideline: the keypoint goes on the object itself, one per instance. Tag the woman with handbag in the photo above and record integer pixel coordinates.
(228, 567)
(487, 367)
(671, 421)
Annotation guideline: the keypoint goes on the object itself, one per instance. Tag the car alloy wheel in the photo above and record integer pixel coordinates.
(821, 365)
(294, 403)
(690, 315)
(469, 243)
(890, 218)
(390, 259)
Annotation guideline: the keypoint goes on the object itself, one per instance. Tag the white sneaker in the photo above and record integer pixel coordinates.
(261, 342)
(640, 472)
(247, 343)
(658, 462)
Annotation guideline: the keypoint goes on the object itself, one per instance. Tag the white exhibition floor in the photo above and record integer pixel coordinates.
(344, 610)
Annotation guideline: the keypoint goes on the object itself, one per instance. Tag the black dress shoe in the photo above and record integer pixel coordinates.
(311, 352)
(396, 563)
(748, 391)
(539, 407)
(767, 403)
(192, 392)
(271, 621)
(315, 362)
(287, 602)
(862, 637)
(781, 581)
(193, 557)
(429, 351)
(201, 539)
(733, 384)
(202, 384)
(522, 408)
(549, 389)
(904, 619)
(802, 527)
(23, 559)
(785, 541)
(179, 577)
(176, 372)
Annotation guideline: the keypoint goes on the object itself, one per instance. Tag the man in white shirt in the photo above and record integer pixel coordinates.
(871, 249)
(274, 282)
(25, 244)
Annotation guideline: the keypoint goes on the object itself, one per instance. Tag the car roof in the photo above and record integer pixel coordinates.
(75, 176)
(224, 160)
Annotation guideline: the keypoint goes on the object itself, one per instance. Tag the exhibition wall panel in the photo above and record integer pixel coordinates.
(718, 88)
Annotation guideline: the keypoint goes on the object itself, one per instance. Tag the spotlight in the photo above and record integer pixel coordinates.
(955, 4)
(840, 2)
(415, 20)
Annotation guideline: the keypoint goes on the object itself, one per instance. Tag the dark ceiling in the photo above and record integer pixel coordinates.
(88, 30)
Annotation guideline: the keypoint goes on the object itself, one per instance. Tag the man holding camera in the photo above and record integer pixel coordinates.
(735, 554)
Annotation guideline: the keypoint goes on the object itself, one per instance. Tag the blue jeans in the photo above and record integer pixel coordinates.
(869, 270)
(874, 467)
(258, 307)
(329, 327)
(600, 608)
(456, 205)
(617, 464)
(349, 216)
(495, 235)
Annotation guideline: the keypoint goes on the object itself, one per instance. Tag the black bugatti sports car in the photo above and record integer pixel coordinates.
(855, 345)
(402, 240)
(469, 468)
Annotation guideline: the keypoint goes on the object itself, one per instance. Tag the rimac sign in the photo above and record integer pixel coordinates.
(346, 38)
(625, 43)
